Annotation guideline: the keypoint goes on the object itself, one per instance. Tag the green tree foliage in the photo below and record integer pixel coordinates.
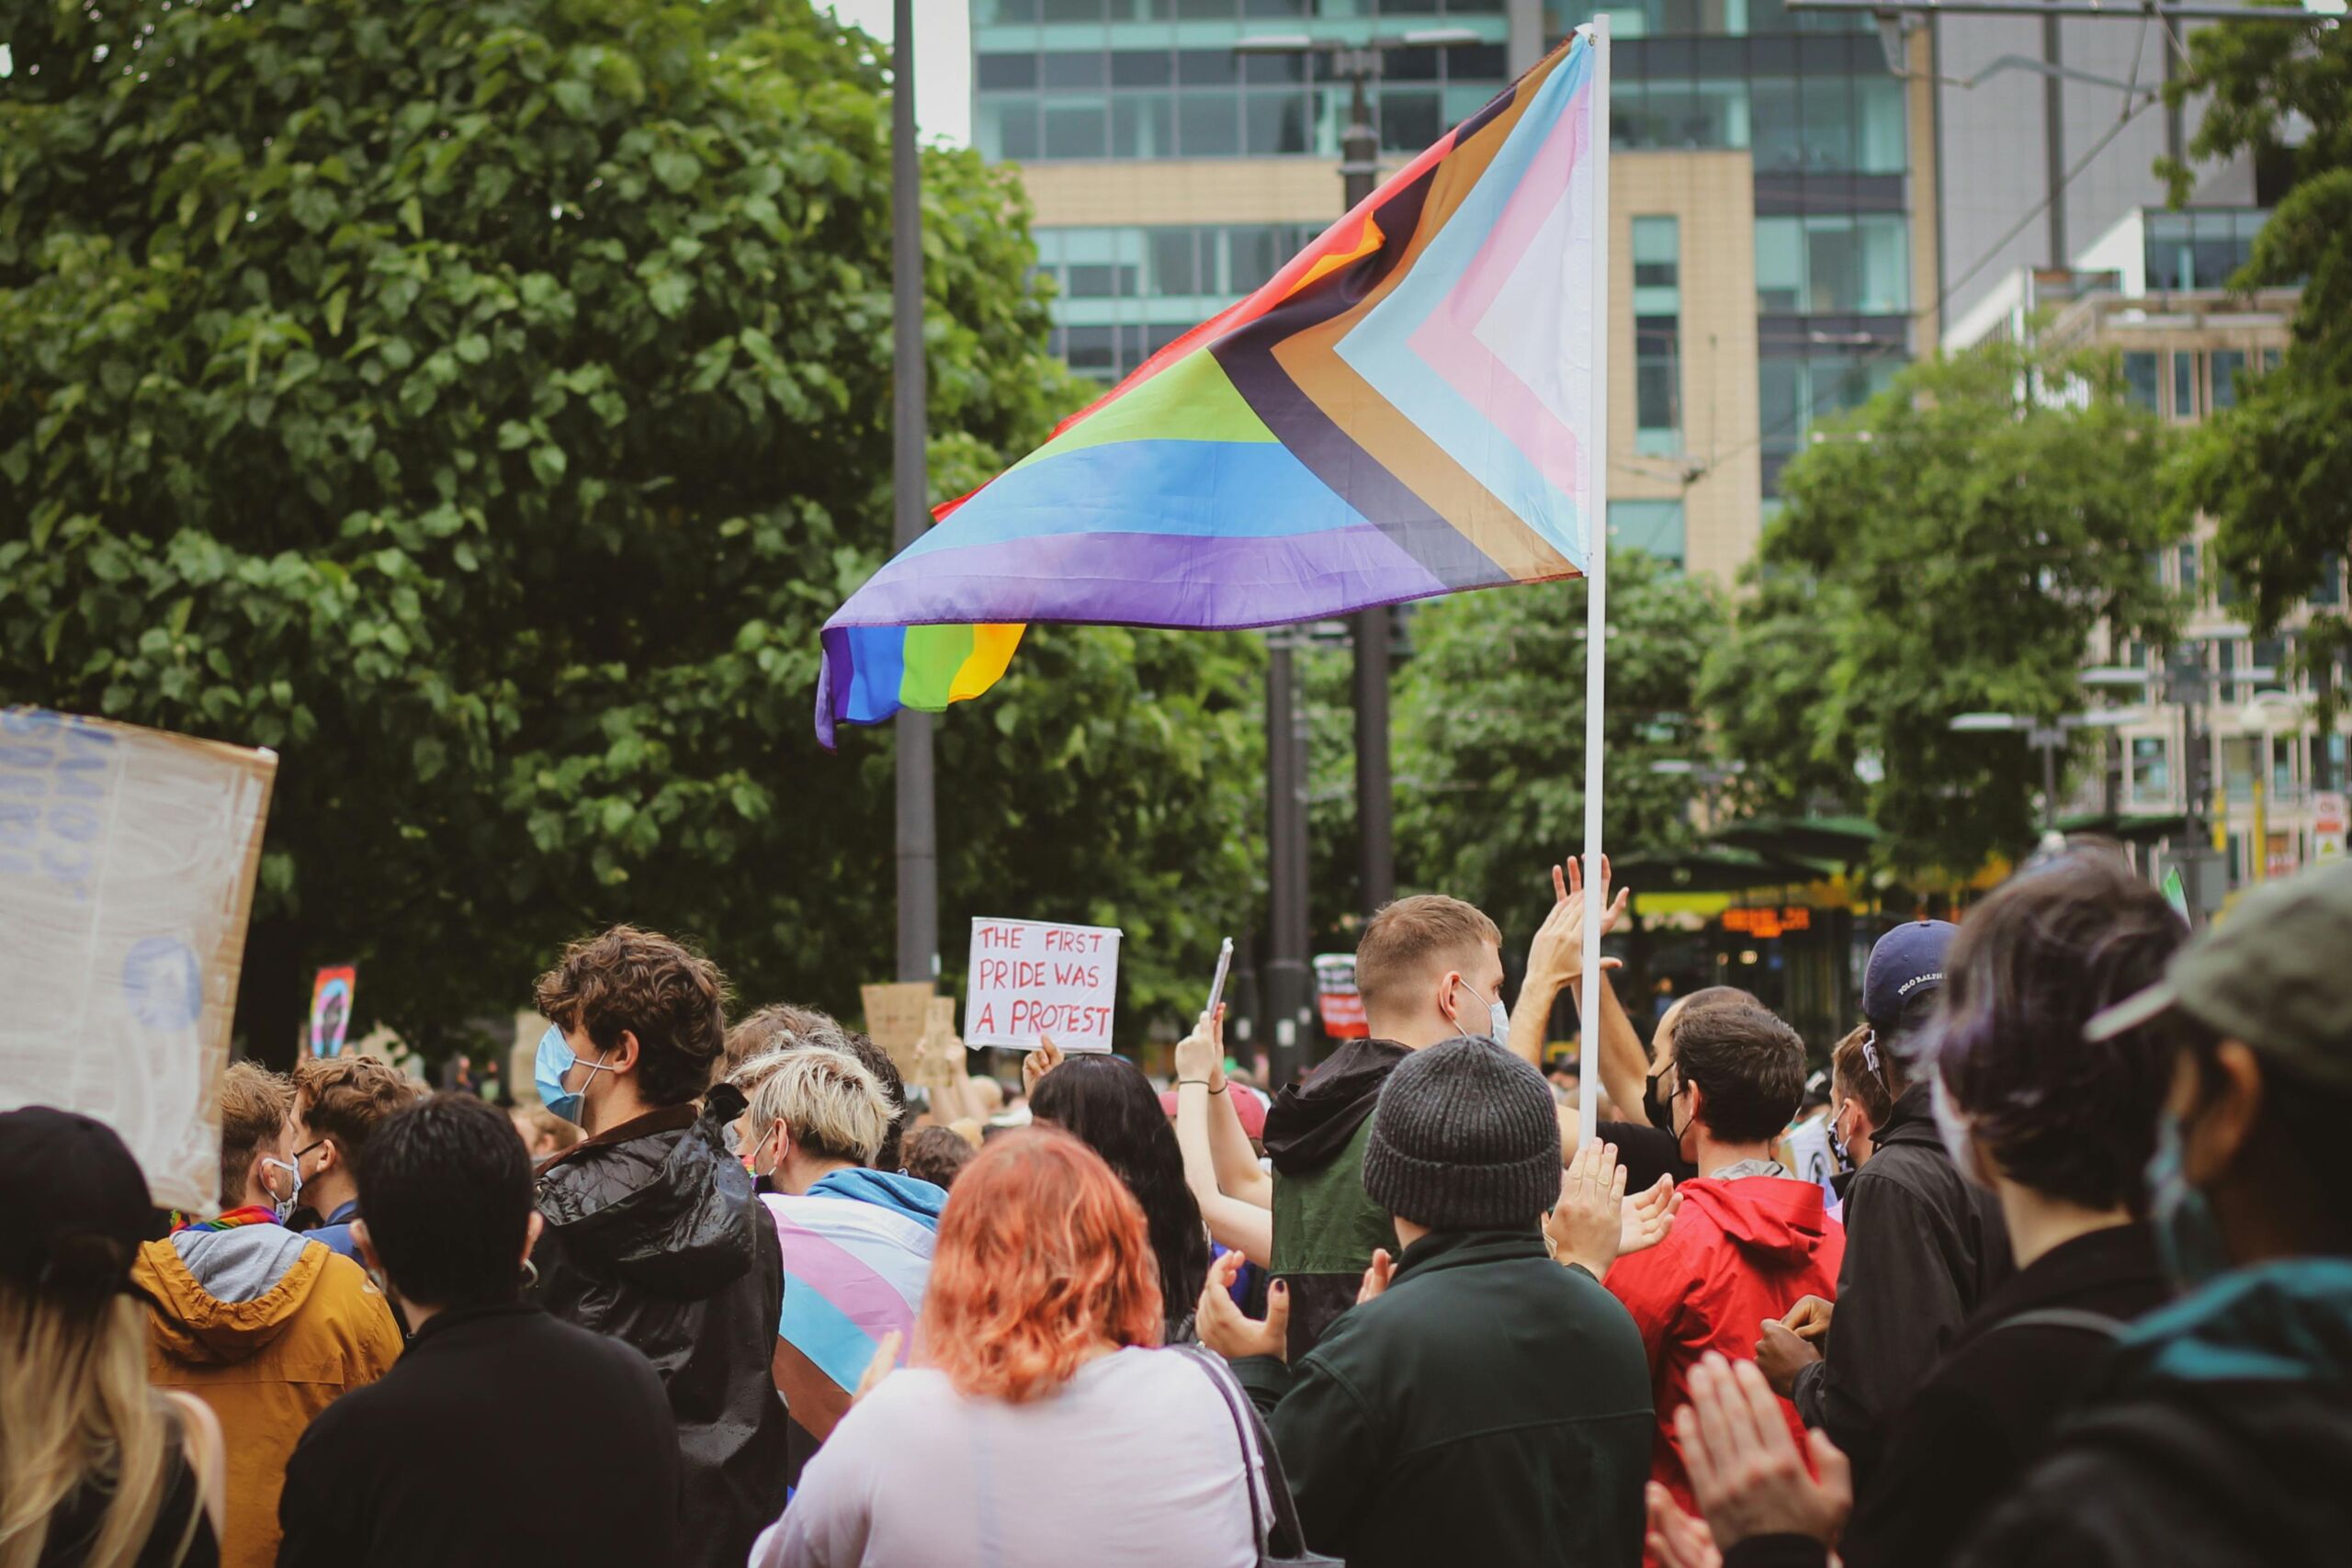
(482, 402)
(2276, 471)
(1490, 732)
(1955, 560)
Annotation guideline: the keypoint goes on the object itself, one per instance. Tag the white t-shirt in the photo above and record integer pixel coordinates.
(1137, 1462)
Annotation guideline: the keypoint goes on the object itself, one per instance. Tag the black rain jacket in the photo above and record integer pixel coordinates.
(655, 1235)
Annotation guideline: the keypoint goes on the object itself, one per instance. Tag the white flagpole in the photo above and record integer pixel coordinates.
(1596, 610)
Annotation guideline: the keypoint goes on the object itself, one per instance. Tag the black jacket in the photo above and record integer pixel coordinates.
(1490, 1407)
(1325, 1228)
(501, 1435)
(1924, 1248)
(1988, 1408)
(655, 1236)
(2220, 1435)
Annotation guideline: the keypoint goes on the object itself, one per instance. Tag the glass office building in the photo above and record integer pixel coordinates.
(1060, 84)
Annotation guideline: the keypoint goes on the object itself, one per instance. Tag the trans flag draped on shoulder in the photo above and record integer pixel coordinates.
(857, 1254)
(1407, 408)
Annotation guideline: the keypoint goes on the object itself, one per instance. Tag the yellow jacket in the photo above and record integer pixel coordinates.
(268, 1329)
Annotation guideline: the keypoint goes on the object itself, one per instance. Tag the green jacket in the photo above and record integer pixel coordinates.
(1491, 1408)
(1325, 1231)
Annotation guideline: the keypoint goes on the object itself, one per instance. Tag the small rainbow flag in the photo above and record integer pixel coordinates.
(1408, 408)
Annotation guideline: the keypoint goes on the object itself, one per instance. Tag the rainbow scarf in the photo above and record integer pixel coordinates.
(1410, 408)
(251, 1214)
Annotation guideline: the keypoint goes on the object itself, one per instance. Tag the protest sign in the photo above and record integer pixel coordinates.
(895, 1016)
(331, 993)
(127, 862)
(1337, 997)
(1030, 978)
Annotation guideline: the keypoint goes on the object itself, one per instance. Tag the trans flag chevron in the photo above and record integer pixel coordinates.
(1407, 408)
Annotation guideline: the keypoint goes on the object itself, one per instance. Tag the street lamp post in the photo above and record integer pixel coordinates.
(918, 823)
(2050, 738)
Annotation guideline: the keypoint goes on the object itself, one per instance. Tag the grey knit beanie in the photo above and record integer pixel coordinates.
(1464, 1137)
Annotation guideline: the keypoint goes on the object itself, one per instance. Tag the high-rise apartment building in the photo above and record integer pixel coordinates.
(1772, 200)
(2217, 740)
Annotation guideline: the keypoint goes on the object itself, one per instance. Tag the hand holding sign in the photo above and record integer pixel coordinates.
(1029, 978)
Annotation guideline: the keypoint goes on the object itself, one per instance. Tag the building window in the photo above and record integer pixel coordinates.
(2198, 249)
(2139, 379)
(1125, 293)
(1658, 328)
(1833, 263)
(2330, 591)
(2151, 770)
(1654, 527)
(2228, 365)
(2184, 385)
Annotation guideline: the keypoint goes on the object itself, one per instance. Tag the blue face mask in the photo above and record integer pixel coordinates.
(548, 1069)
(2189, 1239)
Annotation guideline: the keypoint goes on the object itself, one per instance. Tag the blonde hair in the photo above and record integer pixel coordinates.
(754, 1070)
(75, 1410)
(830, 1102)
(254, 1104)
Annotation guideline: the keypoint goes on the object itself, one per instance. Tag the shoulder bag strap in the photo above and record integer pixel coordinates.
(2105, 1327)
(1253, 1468)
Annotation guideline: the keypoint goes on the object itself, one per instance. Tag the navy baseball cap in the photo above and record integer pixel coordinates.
(77, 1203)
(1907, 962)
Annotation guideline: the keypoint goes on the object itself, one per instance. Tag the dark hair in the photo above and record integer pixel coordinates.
(894, 1090)
(1107, 1102)
(937, 1154)
(446, 1185)
(1749, 1063)
(1849, 1064)
(640, 981)
(2058, 1113)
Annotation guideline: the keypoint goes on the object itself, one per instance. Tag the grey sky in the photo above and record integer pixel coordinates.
(943, 58)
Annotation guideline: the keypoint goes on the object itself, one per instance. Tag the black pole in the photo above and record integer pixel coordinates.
(1287, 994)
(910, 495)
(1375, 837)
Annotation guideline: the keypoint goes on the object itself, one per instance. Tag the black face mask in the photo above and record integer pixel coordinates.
(1838, 1145)
(1652, 1106)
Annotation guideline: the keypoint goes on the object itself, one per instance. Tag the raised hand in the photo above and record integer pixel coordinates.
(1555, 958)
(1223, 1326)
(1747, 1473)
(1588, 1223)
(1039, 1063)
(1201, 1055)
(1648, 1216)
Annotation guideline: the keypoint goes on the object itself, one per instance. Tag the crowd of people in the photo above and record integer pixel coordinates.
(2051, 1264)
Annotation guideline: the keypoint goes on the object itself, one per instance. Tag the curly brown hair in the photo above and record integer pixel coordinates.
(343, 1097)
(672, 999)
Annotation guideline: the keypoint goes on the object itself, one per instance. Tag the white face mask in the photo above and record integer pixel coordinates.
(1498, 1019)
(284, 1207)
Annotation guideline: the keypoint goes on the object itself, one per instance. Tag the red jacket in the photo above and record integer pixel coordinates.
(1739, 1252)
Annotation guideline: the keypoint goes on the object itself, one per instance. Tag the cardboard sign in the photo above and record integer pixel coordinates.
(1337, 997)
(1029, 978)
(331, 993)
(941, 1059)
(127, 862)
(896, 1014)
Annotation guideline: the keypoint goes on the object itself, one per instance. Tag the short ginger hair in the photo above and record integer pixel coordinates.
(1408, 939)
(671, 997)
(1043, 1253)
(254, 1103)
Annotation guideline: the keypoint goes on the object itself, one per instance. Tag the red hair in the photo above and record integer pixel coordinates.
(1043, 1253)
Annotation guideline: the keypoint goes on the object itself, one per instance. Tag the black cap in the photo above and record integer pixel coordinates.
(76, 1202)
(1907, 962)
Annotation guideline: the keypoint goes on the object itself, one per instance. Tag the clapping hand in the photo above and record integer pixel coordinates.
(1587, 1225)
(1747, 1473)
(1225, 1329)
(1676, 1539)
(1648, 1216)
(1556, 957)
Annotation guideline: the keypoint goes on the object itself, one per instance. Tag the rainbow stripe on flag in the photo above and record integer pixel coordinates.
(1408, 408)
